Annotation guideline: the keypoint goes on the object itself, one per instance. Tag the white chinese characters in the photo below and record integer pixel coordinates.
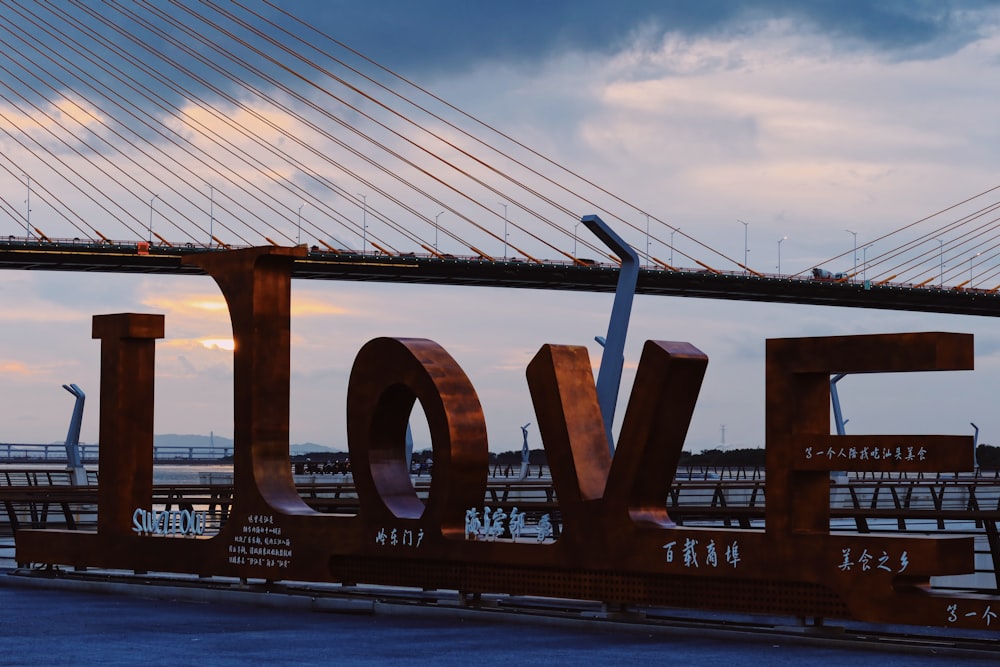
(868, 562)
(899, 453)
(400, 538)
(497, 524)
(689, 553)
(261, 543)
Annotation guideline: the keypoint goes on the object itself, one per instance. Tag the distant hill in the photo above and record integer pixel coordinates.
(175, 440)
(311, 448)
(190, 440)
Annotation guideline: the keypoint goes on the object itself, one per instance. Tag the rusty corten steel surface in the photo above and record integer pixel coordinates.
(126, 416)
(801, 453)
(617, 542)
(389, 375)
(257, 286)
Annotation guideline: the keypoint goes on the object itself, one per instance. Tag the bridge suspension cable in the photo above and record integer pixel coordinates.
(222, 114)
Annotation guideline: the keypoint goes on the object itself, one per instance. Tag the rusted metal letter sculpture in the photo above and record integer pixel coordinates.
(616, 541)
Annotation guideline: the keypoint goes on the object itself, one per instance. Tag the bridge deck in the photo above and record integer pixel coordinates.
(517, 273)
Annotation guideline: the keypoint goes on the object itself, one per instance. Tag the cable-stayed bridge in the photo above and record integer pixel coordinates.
(134, 134)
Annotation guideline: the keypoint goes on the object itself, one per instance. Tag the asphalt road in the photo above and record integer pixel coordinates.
(60, 627)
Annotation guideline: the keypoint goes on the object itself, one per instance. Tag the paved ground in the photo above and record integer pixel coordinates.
(60, 627)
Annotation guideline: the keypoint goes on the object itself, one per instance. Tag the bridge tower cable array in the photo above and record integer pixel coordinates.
(147, 128)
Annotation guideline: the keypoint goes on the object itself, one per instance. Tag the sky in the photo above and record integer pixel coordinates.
(813, 121)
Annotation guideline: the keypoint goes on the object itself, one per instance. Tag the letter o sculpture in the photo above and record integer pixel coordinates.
(388, 376)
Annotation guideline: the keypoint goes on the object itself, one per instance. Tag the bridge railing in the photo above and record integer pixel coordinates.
(56, 453)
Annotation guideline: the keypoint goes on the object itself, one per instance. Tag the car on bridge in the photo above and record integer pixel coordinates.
(823, 274)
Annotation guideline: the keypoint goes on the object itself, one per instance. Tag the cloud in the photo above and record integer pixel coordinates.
(19, 369)
(227, 344)
(454, 36)
(188, 303)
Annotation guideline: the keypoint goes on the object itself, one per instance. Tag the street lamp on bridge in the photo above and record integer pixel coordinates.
(746, 243)
(672, 232)
(504, 229)
(647, 237)
(864, 262)
(779, 253)
(855, 252)
(27, 219)
(299, 228)
(364, 222)
(970, 267)
(151, 217)
(436, 226)
(211, 213)
(940, 263)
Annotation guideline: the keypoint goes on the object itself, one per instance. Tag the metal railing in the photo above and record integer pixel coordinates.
(942, 505)
(56, 453)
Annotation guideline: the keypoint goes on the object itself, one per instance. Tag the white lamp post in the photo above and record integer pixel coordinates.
(940, 263)
(746, 243)
(504, 229)
(151, 217)
(970, 267)
(27, 219)
(364, 223)
(299, 226)
(647, 237)
(855, 252)
(436, 224)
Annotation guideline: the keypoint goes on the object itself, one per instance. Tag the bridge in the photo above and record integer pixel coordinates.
(229, 126)
(320, 264)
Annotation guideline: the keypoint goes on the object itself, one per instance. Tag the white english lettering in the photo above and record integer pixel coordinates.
(137, 521)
